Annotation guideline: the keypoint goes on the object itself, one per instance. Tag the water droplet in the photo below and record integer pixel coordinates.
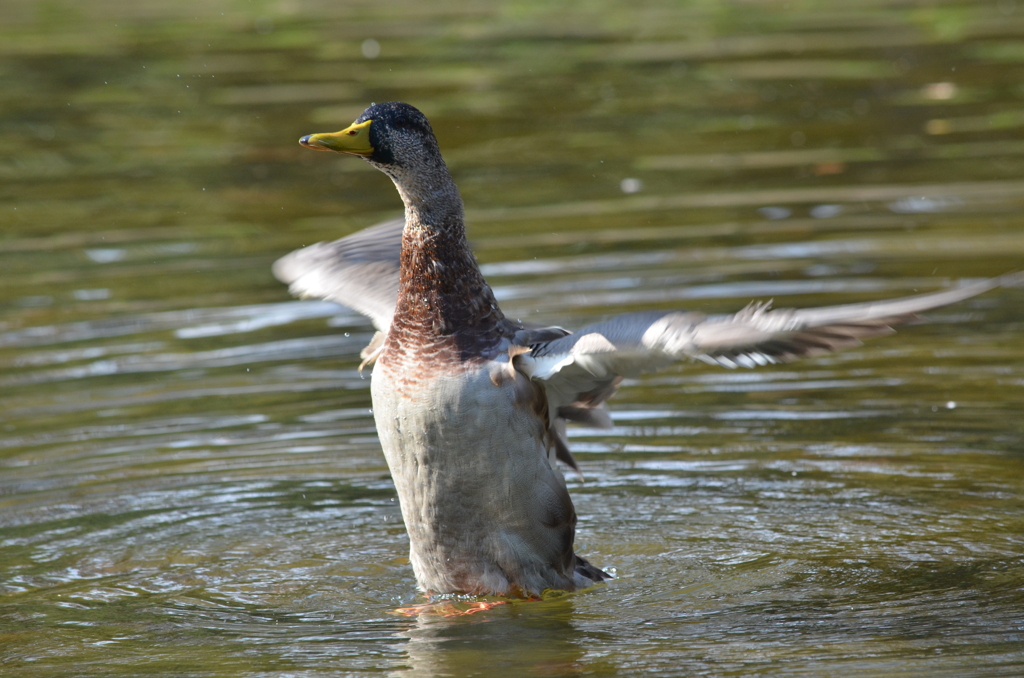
(774, 212)
(370, 48)
(826, 211)
(631, 185)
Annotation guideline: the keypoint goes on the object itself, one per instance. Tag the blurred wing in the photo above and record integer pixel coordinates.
(359, 271)
(595, 358)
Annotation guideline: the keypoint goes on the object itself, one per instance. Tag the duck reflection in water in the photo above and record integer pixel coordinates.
(493, 644)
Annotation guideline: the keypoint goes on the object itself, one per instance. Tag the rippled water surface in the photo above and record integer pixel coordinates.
(190, 479)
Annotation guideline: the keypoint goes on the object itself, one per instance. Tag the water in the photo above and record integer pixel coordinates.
(190, 481)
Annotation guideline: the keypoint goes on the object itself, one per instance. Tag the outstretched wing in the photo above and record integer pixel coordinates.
(359, 271)
(582, 369)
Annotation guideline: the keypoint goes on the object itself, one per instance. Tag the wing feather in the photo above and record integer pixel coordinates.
(593, 359)
(359, 271)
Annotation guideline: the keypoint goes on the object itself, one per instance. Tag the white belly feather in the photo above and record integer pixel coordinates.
(482, 503)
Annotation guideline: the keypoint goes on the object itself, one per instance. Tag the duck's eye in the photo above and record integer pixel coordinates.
(352, 133)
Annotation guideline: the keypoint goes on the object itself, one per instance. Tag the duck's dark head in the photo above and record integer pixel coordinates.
(393, 136)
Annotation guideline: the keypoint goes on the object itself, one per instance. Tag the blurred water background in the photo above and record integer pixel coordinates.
(190, 480)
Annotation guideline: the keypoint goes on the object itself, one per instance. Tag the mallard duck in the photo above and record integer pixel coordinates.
(471, 406)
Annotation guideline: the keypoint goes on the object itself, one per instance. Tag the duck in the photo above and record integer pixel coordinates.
(471, 406)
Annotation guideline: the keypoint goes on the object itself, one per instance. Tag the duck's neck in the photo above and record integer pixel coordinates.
(442, 293)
